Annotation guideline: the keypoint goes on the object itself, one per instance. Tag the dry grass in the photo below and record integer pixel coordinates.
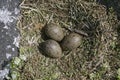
(98, 57)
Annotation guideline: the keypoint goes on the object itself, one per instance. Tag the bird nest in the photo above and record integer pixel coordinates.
(96, 58)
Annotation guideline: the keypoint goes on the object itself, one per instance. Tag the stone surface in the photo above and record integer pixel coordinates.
(9, 34)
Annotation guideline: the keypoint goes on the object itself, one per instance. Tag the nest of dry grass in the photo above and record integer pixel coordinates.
(98, 56)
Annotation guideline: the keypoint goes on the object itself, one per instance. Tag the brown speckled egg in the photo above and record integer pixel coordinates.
(52, 49)
(71, 41)
(54, 31)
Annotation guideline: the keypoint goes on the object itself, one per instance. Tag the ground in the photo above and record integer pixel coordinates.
(97, 58)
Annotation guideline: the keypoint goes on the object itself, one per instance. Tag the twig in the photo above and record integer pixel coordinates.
(74, 30)
(51, 17)
(36, 10)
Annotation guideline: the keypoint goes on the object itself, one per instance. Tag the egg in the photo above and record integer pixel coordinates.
(54, 31)
(71, 41)
(52, 49)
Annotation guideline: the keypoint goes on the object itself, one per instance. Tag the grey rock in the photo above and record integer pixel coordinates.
(9, 34)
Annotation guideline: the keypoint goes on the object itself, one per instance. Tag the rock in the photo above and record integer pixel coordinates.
(9, 34)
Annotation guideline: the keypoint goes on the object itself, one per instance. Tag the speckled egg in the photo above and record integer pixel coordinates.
(54, 31)
(71, 41)
(52, 49)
